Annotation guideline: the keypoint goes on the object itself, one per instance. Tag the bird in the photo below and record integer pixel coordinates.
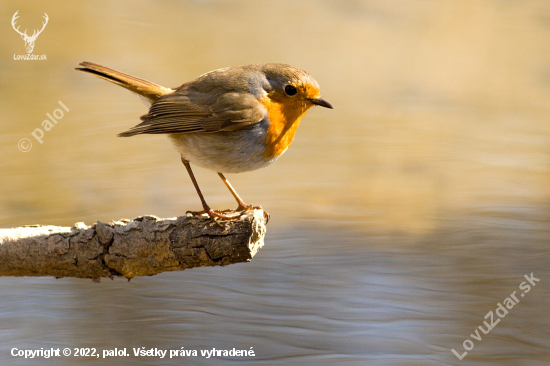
(229, 120)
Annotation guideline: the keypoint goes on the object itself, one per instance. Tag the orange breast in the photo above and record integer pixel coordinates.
(283, 122)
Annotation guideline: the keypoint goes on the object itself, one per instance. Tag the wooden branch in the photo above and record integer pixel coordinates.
(144, 246)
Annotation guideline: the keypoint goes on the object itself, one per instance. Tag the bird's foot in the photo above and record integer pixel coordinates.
(244, 207)
(221, 214)
(215, 214)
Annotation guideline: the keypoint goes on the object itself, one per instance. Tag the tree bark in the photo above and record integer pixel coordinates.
(144, 246)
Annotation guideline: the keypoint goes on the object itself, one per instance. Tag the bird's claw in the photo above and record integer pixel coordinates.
(213, 214)
(245, 207)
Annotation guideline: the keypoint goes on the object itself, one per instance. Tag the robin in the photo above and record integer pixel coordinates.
(229, 120)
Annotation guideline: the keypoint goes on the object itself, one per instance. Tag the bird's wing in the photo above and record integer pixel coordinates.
(188, 110)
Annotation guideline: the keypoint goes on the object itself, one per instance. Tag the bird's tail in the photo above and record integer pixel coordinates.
(146, 90)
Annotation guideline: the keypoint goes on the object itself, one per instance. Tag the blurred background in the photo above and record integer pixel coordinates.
(398, 220)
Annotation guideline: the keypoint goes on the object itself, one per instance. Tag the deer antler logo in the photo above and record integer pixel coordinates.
(29, 41)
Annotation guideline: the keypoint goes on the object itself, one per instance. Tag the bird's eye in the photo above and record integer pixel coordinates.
(290, 90)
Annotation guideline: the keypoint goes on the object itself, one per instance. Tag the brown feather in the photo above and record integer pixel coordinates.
(189, 110)
(139, 86)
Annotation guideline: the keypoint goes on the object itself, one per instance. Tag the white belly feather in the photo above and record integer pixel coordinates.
(225, 152)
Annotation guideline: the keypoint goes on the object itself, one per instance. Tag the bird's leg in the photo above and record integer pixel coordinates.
(206, 209)
(242, 206)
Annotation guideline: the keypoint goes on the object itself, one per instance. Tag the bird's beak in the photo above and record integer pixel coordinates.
(321, 102)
